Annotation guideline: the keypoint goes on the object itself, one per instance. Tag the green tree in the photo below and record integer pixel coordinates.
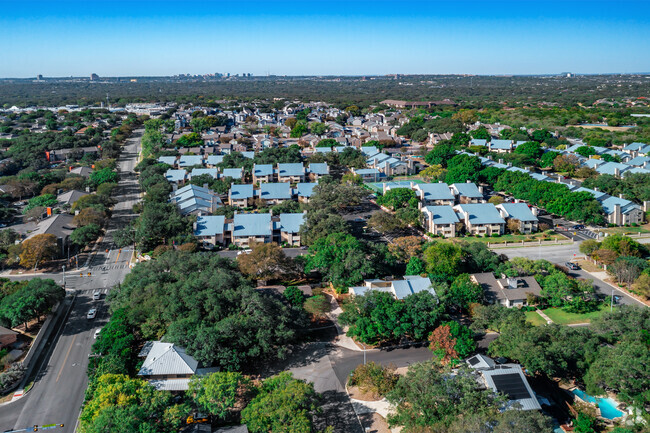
(29, 302)
(218, 393)
(440, 154)
(283, 404)
(105, 175)
(295, 296)
(37, 249)
(444, 260)
(396, 198)
(462, 292)
(84, 235)
(415, 266)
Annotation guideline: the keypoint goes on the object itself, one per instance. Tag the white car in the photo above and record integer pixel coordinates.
(97, 333)
(91, 313)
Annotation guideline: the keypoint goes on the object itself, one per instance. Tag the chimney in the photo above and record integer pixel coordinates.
(480, 189)
(489, 157)
(617, 172)
(500, 160)
(468, 181)
(516, 200)
(646, 206)
(205, 185)
(509, 164)
(534, 211)
(617, 214)
(596, 189)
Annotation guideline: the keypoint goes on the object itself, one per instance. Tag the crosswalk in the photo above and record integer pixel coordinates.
(104, 268)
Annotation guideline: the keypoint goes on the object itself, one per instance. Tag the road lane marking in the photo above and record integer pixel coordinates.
(118, 256)
(66, 358)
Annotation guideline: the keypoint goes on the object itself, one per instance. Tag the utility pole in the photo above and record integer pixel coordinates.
(611, 304)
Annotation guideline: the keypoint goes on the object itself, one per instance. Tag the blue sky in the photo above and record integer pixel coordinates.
(317, 37)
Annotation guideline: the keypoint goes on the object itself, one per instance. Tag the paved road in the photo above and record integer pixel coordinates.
(560, 255)
(59, 386)
(289, 252)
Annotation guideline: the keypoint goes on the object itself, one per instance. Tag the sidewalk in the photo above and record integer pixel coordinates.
(342, 340)
(544, 316)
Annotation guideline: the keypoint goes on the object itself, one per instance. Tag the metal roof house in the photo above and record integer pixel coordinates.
(400, 289)
(192, 199)
(213, 172)
(304, 191)
(263, 173)
(233, 173)
(289, 226)
(291, 172)
(507, 379)
(434, 194)
(618, 210)
(190, 160)
(209, 229)
(241, 195)
(168, 367)
(169, 160)
(247, 228)
(481, 219)
(528, 222)
(467, 192)
(274, 193)
(501, 146)
(213, 160)
(316, 170)
(176, 176)
(367, 174)
(440, 220)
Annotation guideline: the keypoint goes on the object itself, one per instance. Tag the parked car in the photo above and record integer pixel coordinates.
(97, 295)
(578, 227)
(92, 313)
(572, 266)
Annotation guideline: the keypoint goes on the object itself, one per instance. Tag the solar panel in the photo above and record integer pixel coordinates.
(473, 360)
(511, 385)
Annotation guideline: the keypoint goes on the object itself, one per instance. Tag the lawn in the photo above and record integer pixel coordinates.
(534, 318)
(561, 317)
(513, 238)
(628, 230)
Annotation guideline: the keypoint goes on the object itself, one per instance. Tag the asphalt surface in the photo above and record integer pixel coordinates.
(60, 383)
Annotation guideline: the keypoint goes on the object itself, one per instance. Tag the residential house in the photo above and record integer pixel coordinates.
(637, 149)
(233, 173)
(289, 226)
(440, 220)
(213, 160)
(168, 367)
(247, 228)
(70, 197)
(481, 219)
(528, 222)
(465, 193)
(169, 160)
(618, 210)
(509, 292)
(190, 160)
(400, 289)
(193, 199)
(210, 229)
(291, 172)
(506, 379)
(178, 176)
(263, 173)
(317, 170)
(275, 193)
(82, 171)
(501, 146)
(61, 226)
(367, 174)
(241, 196)
(431, 194)
(213, 172)
(303, 191)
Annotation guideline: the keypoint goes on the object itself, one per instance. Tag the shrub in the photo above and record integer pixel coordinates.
(374, 378)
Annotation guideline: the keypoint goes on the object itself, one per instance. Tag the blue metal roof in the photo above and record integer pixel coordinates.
(362, 171)
(442, 214)
(190, 160)
(291, 222)
(478, 142)
(249, 155)
(591, 162)
(636, 146)
(239, 192)
(209, 225)
(169, 160)
(519, 169)
(435, 191)
(305, 189)
(275, 191)
(412, 284)
(610, 203)
(636, 170)
(597, 194)
(638, 161)
(291, 169)
(252, 224)
(519, 211)
(500, 144)
(214, 172)
(467, 190)
(214, 159)
(539, 176)
(610, 168)
(481, 213)
(263, 169)
(319, 168)
(235, 173)
(322, 150)
(369, 150)
(175, 175)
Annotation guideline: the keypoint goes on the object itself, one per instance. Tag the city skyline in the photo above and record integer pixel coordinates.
(161, 38)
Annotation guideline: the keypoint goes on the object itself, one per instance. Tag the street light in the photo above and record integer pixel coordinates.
(63, 276)
(611, 304)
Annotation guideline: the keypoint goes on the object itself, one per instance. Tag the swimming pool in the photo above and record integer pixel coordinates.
(607, 406)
